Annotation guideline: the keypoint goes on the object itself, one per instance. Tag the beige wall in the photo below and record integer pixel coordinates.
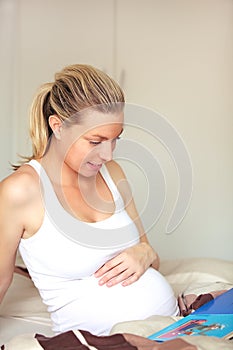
(172, 56)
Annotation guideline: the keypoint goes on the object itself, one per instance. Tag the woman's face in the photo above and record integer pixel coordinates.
(91, 144)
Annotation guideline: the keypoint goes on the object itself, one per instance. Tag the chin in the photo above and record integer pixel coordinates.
(87, 173)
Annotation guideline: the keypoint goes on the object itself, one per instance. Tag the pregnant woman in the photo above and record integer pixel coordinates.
(69, 210)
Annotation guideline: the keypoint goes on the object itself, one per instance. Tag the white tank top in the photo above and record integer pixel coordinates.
(63, 255)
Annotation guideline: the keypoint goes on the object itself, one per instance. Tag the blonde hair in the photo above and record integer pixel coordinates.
(75, 88)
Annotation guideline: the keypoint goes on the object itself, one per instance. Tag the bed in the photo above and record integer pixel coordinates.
(22, 313)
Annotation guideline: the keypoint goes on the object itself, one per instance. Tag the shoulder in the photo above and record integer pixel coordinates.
(118, 176)
(20, 186)
(116, 171)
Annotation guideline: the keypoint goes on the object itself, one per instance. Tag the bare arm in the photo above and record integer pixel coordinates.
(128, 266)
(11, 229)
(133, 213)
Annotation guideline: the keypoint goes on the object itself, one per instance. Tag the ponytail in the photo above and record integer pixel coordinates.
(39, 128)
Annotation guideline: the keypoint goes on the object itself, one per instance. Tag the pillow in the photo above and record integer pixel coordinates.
(23, 300)
(220, 270)
(19, 261)
(144, 327)
(203, 274)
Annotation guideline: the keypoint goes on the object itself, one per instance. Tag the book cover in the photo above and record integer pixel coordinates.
(223, 304)
(217, 325)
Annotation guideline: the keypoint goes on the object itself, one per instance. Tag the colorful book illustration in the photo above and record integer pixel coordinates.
(214, 318)
(220, 326)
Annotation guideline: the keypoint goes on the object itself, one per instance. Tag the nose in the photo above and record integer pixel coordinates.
(106, 150)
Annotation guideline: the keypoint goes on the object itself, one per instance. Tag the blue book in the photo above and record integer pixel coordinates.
(223, 304)
(218, 325)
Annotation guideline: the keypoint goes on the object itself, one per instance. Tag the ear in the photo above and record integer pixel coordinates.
(55, 124)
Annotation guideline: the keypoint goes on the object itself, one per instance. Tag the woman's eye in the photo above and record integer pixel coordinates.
(95, 143)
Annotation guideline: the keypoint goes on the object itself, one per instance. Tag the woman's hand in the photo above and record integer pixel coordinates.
(127, 267)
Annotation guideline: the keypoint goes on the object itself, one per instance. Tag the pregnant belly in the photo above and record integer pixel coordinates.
(97, 308)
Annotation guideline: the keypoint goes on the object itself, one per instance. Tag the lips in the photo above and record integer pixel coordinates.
(94, 166)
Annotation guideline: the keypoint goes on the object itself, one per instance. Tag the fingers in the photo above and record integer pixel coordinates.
(126, 268)
(119, 274)
(131, 279)
(112, 281)
(108, 266)
(116, 275)
(116, 271)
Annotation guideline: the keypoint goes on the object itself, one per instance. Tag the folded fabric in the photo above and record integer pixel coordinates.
(189, 302)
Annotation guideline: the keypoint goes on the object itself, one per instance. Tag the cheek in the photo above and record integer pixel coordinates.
(78, 152)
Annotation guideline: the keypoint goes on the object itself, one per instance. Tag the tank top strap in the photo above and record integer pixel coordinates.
(47, 187)
(119, 203)
(36, 165)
